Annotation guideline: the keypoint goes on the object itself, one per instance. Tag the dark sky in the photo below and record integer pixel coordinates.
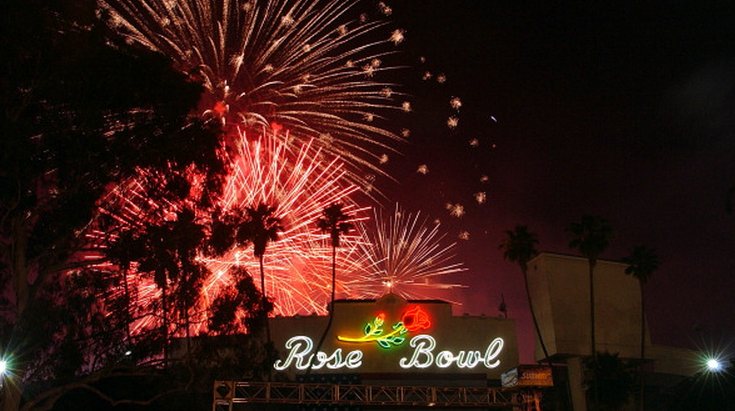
(625, 112)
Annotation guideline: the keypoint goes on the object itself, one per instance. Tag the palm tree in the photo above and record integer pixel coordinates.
(642, 262)
(519, 247)
(591, 236)
(334, 222)
(260, 228)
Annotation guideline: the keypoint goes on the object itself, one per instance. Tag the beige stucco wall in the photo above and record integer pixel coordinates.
(559, 286)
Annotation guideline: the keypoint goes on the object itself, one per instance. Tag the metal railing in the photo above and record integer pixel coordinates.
(234, 395)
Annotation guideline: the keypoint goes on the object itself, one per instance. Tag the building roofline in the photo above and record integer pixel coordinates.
(573, 257)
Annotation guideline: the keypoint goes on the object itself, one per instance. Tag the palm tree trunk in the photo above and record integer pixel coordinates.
(593, 344)
(331, 310)
(334, 276)
(187, 324)
(128, 314)
(264, 302)
(643, 347)
(535, 321)
(165, 326)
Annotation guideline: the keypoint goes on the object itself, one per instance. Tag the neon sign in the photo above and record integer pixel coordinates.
(423, 355)
(299, 348)
(413, 319)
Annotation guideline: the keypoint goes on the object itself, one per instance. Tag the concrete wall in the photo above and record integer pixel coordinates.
(559, 286)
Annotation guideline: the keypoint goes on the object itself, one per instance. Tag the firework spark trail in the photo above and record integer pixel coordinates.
(406, 257)
(303, 65)
(269, 169)
(301, 186)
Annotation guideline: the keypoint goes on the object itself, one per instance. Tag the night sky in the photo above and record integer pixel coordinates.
(623, 112)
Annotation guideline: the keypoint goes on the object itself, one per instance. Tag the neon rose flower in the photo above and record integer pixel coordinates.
(416, 319)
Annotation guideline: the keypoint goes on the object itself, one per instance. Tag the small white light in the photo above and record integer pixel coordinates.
(128, 353)
(713, 364)
(3, 367)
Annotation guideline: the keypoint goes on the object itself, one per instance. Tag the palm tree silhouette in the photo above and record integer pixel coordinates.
(591, 236)
(642, 262)
(261, 227)
(519, 247)
(333, 221)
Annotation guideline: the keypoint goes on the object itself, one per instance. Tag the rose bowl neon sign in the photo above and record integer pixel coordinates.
(422, 352)
(423, 355)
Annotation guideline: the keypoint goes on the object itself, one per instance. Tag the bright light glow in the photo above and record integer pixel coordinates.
(714, 365)
(3, 367)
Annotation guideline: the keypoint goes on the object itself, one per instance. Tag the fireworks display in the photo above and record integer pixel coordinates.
(298, 264)
(296, 86)
(407, 256)
(309, 67)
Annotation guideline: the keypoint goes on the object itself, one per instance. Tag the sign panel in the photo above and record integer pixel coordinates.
(392, 335)
(528, 376)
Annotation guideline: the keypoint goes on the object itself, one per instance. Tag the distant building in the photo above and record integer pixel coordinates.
(559, 287)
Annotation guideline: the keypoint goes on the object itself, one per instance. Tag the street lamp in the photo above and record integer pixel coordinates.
(3, 371)
(714, 365)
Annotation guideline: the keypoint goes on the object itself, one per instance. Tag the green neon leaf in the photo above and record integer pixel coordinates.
(398, 324)
(398, 340)
(383, 344)
(368, 329)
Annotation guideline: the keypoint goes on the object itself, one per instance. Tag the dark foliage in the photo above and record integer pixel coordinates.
(613, 378)
(706, 391)
(81, 113)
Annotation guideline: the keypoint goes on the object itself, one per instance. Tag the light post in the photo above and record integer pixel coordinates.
(3, 371)
(714, 365)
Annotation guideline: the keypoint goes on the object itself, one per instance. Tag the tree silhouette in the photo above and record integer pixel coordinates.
(170, 254)
(334, 222)
(77, 119)
(591, 236)
(642, 263)
(613, 381)
(261, 227)
(519, 247)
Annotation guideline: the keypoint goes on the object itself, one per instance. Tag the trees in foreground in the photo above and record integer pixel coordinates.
(82, 115)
